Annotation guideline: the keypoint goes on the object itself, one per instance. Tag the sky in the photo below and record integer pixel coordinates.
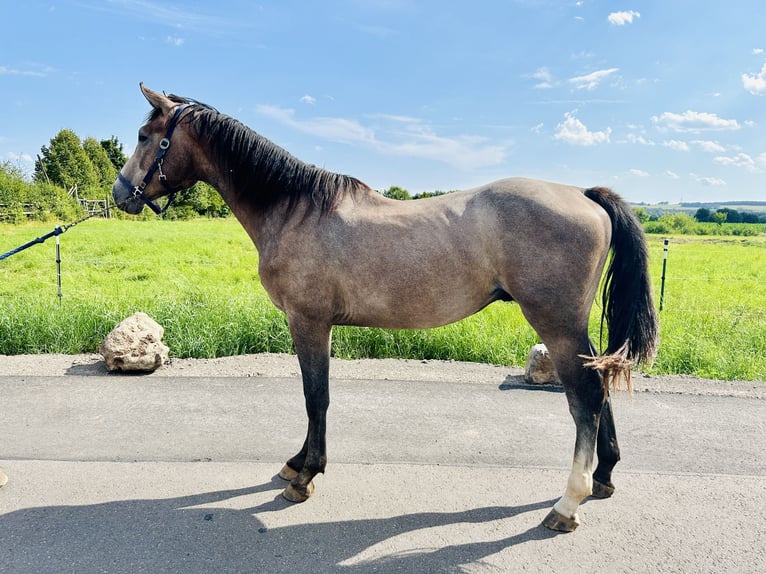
(662, 100)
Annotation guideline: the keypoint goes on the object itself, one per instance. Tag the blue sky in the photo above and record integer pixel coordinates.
(663, 100)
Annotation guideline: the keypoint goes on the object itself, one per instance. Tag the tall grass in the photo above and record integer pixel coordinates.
(199, 280)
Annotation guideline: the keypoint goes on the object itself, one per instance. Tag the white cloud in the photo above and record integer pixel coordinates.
(638, 172)
(307, 99)
(672, 175)
(711, 181)
(175, 41)
(333, 129)
(406, 137)
(676, 145)
(633, 138)
(15, 72)
(181, 16)
(755, 84)
(742, 160)
(709, 146)
(544, 77)
(591, 81)
(690, 121)
(19, 157)
(622, 18)
(573, 131)
(757, 51)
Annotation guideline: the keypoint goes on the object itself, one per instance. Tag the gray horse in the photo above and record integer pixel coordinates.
(330, 253)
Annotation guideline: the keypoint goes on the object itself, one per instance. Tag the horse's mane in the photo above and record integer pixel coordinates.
(261, 171)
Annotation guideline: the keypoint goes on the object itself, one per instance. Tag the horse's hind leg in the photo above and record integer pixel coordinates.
(585, 395)
(608, 453)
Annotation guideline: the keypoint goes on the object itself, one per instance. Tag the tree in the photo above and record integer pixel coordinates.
(113, 149)
(703, 215)
(104, 167)
(732, 215)
(65, 163)
(200, 199)
(396, 192)
(719, 217)
(641, 214)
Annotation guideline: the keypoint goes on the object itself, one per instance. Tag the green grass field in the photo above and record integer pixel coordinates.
(199, 280)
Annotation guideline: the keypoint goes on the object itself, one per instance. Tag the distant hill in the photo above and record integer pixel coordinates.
(691, 207)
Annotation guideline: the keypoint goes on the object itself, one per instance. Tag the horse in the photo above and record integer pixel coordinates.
(333, 251)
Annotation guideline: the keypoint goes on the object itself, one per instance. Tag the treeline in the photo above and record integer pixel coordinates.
(685, 224)
(723, 221)
(727, 215)
(69, 170)
(396, 192)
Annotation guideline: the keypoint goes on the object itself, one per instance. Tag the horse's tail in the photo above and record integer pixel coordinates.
(627, 302)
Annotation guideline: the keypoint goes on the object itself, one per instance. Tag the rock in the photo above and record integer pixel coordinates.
(539, 369)
(135, 344)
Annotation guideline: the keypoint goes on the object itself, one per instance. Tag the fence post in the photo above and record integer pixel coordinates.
(58, 267)
(664, 267)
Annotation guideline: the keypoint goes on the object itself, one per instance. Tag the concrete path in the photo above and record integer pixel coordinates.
(177, 474)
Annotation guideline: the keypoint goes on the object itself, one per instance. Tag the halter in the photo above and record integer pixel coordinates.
(139, 190)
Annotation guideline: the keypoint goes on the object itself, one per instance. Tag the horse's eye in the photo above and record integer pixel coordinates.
(142, 138)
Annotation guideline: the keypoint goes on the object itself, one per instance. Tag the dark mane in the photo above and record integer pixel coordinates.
(261, 171)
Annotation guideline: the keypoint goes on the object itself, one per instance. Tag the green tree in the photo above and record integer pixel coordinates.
(65, 163)
(719, 217)
(200, 199)
(113, 149)
(101, 163)
(641, 214)
(20, 197)
(732, 215)
(703, 215)
(679, 222)
(396, 192)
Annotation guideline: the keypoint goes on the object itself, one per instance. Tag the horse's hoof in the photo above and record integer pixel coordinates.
(561, 523)
(294, 495)
(287, 473)
(3, 478)
(601, 490)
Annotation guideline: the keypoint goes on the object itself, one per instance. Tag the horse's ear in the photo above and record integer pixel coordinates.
(157, 100)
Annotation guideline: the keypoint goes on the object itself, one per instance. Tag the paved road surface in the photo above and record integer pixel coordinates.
(177, 474)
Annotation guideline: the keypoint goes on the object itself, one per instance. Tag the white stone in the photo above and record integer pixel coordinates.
(135, 344)
(539, 369)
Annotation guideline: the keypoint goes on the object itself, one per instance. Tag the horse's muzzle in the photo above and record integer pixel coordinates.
(125, 198)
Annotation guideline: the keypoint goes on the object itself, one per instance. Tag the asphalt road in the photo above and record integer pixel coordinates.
(177, 474)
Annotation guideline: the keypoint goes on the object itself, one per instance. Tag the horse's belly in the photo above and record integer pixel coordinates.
(413, 309)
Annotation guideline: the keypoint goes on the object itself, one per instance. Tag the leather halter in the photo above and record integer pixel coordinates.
(139, 190)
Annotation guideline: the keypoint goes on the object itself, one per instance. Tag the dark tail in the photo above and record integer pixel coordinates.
(628, 304)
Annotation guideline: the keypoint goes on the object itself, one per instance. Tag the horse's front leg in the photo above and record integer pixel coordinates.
(312, 344)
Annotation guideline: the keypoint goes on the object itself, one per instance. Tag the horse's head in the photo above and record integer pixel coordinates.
(162, 163)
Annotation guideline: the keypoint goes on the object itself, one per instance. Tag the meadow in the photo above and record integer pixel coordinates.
(199, 279)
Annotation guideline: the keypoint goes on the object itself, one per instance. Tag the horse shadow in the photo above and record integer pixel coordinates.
(519, 382)
(175, 535)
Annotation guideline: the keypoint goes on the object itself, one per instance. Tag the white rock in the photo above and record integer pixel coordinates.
(135, 344)
(539, 369)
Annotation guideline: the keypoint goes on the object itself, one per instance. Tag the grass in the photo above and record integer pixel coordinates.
(199, 280)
